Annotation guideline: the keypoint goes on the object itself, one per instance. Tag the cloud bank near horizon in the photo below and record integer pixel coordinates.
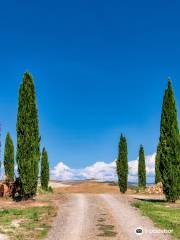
(103, 171)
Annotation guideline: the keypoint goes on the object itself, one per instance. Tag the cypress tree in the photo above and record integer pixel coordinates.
(44, 170)
(28, 139)
(9, 158)
(157, 171)
(169, 146)
(141, 168)
(122, 165)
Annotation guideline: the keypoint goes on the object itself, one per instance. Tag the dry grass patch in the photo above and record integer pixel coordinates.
(89, 187)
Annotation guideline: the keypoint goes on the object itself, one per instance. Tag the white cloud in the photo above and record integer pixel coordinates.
(103, 171)
(62, 171)
(100, 170)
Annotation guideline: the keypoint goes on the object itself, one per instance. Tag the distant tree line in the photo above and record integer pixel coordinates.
(167, 162)
(28, 143)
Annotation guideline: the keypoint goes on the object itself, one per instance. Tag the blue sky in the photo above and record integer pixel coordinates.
(100, 68)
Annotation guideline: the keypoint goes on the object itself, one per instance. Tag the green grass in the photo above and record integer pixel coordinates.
(163, 215)
(28, 223)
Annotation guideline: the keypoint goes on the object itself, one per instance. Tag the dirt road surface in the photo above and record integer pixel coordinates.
(3, 237)
(100, 216)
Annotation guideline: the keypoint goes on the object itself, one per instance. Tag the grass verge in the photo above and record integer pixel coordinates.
(163, 215)
(29, 223)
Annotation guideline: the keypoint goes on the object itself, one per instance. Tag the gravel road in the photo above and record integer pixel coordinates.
(98, 217)
(69, 223)
(3, 237)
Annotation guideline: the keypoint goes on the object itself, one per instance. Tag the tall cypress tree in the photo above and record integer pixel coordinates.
(141, 168)
(122, 165)
(169, 146)
(28, 139)
(9, 157)
(44, 170)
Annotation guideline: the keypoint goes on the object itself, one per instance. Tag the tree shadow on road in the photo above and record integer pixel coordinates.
(151, 200)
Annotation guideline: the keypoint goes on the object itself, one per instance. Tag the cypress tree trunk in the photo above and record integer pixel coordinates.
(44, 170)
(28, 139)
(9, 158)
(169, 147)
(141, 168)
(122, 165)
